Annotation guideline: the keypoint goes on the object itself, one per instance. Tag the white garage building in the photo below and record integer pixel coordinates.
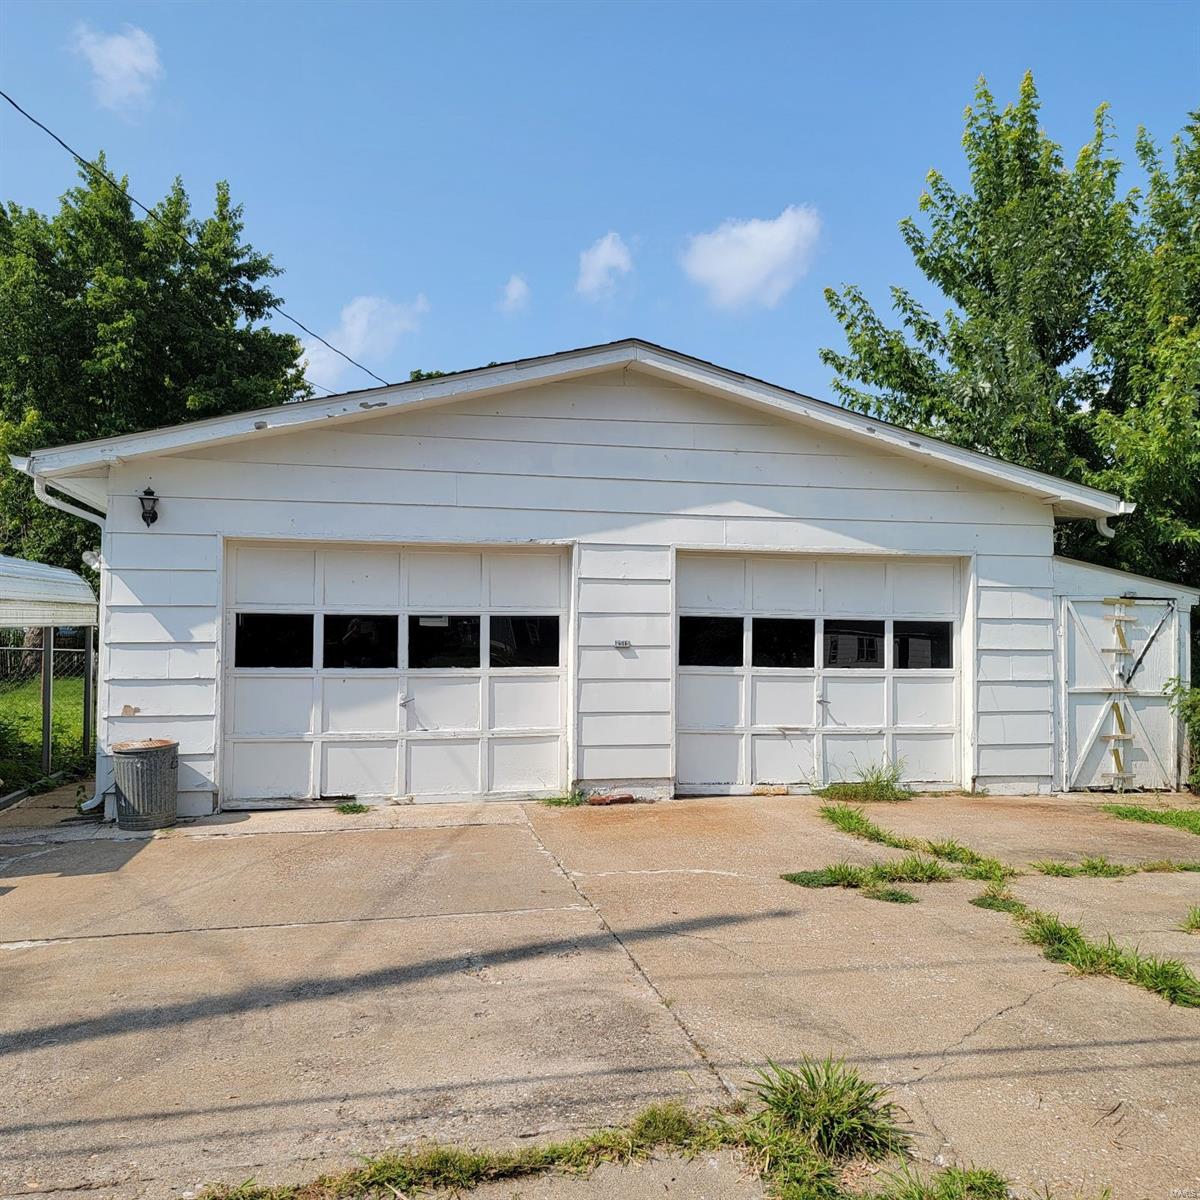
(616, 567)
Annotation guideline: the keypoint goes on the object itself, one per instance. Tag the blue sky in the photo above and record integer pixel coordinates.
(449, 184)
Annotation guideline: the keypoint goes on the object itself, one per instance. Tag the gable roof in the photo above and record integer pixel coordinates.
(1067, 499)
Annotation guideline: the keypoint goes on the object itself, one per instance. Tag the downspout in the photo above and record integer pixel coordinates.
(39, 490)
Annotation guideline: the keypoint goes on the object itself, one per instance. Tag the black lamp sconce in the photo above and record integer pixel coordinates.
(149, 507)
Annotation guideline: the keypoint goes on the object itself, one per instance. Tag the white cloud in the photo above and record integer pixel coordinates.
(369, 329)
(125, 65)
(600, 264)
(515, 295)
(755, 261)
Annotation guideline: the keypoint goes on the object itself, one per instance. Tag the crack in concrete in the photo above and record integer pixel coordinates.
(694, 1045)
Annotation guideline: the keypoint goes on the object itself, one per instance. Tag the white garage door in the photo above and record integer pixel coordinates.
(393, 672)
(800, 671)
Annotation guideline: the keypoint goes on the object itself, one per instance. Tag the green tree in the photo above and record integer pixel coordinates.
(1070, 343)
(111, 323)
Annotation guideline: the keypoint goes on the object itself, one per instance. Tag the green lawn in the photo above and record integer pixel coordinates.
(21, 731)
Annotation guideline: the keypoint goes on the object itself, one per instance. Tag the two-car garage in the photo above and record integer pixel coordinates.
(383, 672)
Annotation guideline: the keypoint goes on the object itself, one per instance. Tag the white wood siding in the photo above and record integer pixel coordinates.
(630, 471)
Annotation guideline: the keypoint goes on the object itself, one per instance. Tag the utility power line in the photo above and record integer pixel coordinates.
(91, 166)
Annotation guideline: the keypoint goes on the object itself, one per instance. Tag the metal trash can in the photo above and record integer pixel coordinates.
(147, 777)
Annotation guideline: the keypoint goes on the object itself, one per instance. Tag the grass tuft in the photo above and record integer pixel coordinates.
(567, 800)
(1180, 818)
(892, 895)
(953, 1183)
(998, 898)
(880, 784)
(913, 869)
(833, 1108)
(348, 807)
(855, 822)
(1168, 864)
(1098, 867)
(1191, 923)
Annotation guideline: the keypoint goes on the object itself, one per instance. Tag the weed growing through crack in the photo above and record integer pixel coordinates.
(810, 1121)
(913, 869)
(1180, 818)
(1191, 923)
(350, 807)
(1067, 944)
(874, 881)
(873, 785)
(1168, 864)
(568, 800)
(1097, 867)
(854, 821)
(996, 896)
(890, 895)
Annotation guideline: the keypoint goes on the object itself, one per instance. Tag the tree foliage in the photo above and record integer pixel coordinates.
(111, 323)
(1071, 342)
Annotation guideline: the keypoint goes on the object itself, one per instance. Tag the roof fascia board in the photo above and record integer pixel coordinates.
(764, 396)
(292, 418)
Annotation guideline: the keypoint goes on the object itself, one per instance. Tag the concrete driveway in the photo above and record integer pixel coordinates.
(272, 994)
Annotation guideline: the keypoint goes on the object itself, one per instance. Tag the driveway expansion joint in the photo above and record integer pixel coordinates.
(694, 1045)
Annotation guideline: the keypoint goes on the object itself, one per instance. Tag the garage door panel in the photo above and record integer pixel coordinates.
(923, 701)
(351, 704)
(854, 587)
(524, 764)
(281, 705)
(442, 702)
(848, 754)
(783, 758)
(709, 701)
(528, 581)
(854, 701)
(444, 766)
(711, 583)
(783, 585)
(525, 702)
(925, 757)
(782, 699)
(709, 758)
(362, 579)
(445, 581)
(358, 769)
(272, 770)
(923, 589)
(275, 575)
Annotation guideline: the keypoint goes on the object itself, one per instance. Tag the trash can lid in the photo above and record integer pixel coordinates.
(143, 744)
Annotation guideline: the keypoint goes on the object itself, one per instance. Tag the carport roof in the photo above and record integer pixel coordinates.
(1067, 499)
(33, 593)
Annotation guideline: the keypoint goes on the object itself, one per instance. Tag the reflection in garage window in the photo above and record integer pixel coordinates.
(273, 640)
(443, 642)
(360, 641)
(710, 642)
(524, 642)
(920, 644)
(782, 642)
(854, 643)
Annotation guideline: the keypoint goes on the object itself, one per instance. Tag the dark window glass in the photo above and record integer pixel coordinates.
(360, 641)
(782, 642)
(443, 642)
(854, 643)
(273, 640)
(524, 642)
(919, 644)
(710, 641)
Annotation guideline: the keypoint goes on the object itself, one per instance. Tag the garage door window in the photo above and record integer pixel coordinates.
(854, 644)
(360, 642)
(782, 642)
(266, 639)
(710, 642)
(443, 641)
(524, 641)
(923, 645)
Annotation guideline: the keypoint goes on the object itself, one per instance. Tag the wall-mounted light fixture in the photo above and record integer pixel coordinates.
(149, 507)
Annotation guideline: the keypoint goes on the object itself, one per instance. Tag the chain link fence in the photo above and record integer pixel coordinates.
(31, 747)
